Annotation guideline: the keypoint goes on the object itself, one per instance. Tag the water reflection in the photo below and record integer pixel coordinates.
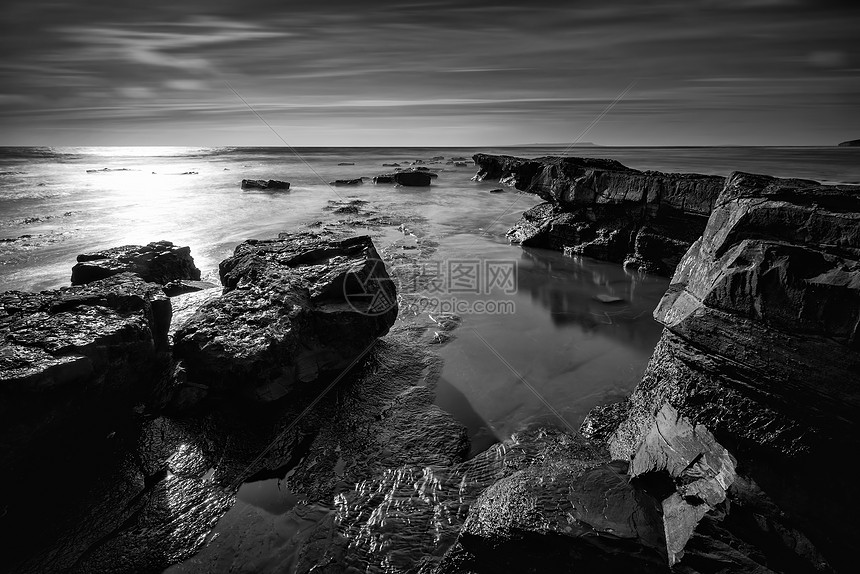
(573, 350)
(571, 288)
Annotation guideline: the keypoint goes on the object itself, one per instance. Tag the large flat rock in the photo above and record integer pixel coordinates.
(157, 262)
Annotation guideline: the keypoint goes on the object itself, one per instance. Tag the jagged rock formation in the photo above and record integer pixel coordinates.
(75, 357)
(761, 349)
(158, 262)
(751, 396)
(293, 310)
(603, 209)
(263, 184)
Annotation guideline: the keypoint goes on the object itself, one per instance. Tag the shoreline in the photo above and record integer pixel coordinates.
(402, 427)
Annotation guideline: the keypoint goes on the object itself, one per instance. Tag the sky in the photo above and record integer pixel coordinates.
(429, 73)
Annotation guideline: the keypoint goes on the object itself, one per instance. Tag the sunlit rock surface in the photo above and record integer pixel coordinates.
(603, 209)
(157, 262)
(761, 349)
(294, 309)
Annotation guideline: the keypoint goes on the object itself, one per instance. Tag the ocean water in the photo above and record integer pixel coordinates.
(572, 350)
(532, 342)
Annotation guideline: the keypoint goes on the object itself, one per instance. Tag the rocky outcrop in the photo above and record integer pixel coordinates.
(356, 181)
(405, 178)
(603, 209)
(571, 515)
(76, 356)
(751, 397)
(294, 310)
(158, 262)
(761, 349)
(268, 185)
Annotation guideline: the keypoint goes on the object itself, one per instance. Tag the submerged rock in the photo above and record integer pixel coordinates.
(271, 184)
(356, 181)
(158, 262)
(108, 170)
(603, 209)
(294, 310)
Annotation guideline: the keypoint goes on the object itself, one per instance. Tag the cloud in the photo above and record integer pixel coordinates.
(165, 45)
(487, 65)
(827, 59)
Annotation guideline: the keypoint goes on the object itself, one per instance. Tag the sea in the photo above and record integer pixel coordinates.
(524, 335)
(539, 343)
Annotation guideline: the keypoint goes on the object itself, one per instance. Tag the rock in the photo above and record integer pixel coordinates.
(391, 165)
(347, 207)
(569, 515)
(108, 170)
(158, 262)
(405, 178)
(497, 190)
(356, 181)
(607, 298)
(296, 309)
(346, 163)
(382, 520)
(603, 420)
(76, 356)
(850, 143)
(183, 286)
(702, 469)
(603, 209)
(272, 184)
(761, 349)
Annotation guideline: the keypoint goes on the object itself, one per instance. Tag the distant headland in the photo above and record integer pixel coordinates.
(850, 143)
